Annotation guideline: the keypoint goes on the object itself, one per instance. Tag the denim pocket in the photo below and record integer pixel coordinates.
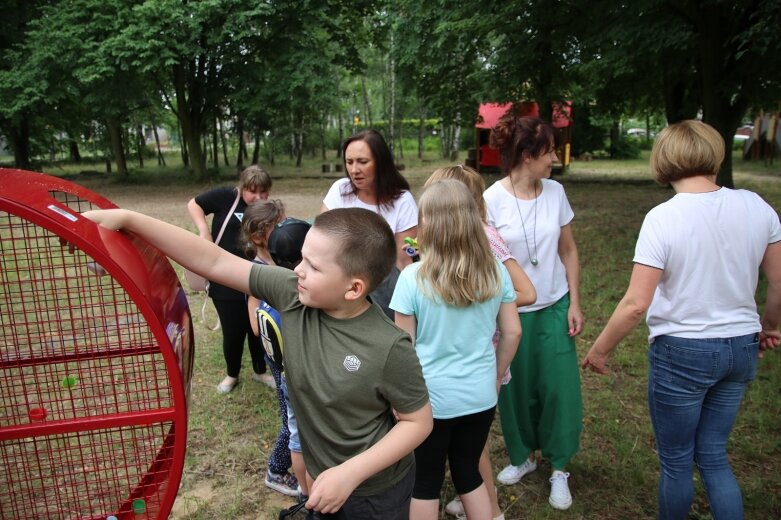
(688, 368)
(751, 351)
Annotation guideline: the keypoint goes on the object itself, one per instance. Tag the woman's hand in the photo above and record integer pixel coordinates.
(575, 320)
(768, 340)
(595, 360)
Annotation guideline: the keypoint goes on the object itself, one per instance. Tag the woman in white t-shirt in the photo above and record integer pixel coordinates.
(696, 269)
(541, 407)
(373, 182)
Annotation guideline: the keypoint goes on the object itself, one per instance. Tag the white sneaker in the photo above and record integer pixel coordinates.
(560, 497)
(455, 507)
(513, 474)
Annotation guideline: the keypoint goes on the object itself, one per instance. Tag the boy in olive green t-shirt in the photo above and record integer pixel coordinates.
(348, 367)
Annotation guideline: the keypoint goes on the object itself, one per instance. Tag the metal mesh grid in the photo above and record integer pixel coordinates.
(84, 475)
(86, 412)
(72, 342)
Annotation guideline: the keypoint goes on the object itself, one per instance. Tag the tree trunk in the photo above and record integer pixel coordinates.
(366, 105)
(256, 150)
(160, 156)
(421, 137)
(392, 121)
(224, 142)
(140, 145)
(300, 139)
(20, 142)
(270, 148)
(720, 108)
(401, 138)
(73, 149)
(117, 149)
(240, 155)
(456, 143)
(215, 143)
(341, 137)
(183, 145)
(189, 111)
(322, 140)
(615, 136)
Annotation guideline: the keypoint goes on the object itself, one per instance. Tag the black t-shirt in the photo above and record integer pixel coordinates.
(218, 201)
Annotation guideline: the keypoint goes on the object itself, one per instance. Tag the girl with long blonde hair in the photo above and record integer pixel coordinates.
(525, 294)
(450, 303)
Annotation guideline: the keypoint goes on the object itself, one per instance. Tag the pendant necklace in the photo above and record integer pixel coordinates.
(532, 259)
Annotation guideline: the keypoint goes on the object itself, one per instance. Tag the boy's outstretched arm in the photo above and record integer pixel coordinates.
(186, 249)
(334, 485)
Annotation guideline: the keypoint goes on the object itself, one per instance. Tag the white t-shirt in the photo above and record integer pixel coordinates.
(401, 216)
(552, 212)
(710, 246)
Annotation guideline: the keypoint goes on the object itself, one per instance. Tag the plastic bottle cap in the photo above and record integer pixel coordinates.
(139, 506)
(111, 517)
(68, 382)
(37, 414)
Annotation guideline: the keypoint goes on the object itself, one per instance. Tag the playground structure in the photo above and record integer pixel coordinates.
(485, 159)
(764, 143)
(96, 357)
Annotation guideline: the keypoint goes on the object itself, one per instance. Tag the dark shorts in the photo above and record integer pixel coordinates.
(391, 504)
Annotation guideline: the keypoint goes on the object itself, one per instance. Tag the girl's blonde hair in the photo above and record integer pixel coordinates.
(457, 264)
(473, 180)
(259, 217)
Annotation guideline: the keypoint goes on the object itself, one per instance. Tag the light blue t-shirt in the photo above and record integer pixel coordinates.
(454, 345)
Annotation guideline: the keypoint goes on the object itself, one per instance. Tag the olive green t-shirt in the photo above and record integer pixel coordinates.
(344, 376)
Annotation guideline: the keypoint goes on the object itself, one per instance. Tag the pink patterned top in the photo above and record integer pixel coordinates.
(502, 253)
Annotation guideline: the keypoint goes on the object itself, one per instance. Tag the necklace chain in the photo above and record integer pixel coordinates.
(532, 259)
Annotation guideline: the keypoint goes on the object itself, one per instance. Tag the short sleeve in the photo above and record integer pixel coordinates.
(508, 291)
(565, 210)
(333, 199)
(773, 224)
(650, 249)
(276, 285)
(407, 212)
(403, 299)
(499, 247)
(402, 383)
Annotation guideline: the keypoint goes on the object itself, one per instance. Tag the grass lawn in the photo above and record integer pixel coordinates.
(612, 477)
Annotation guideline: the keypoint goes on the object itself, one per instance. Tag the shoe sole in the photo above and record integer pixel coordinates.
(281, 489)
(560, 507)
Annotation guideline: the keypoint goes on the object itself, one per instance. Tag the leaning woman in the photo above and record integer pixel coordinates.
(228, 204)
(695, 273)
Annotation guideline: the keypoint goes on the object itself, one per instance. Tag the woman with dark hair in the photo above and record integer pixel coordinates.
(373, 182)
(540, 408)
(696, 268)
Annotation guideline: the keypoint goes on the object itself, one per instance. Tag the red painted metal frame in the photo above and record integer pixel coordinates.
(144, 405)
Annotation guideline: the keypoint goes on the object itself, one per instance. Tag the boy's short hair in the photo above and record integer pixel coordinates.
(254, 178)
(686, 149)
(366, 248)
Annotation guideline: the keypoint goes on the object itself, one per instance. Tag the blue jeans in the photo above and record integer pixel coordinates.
(695, 387)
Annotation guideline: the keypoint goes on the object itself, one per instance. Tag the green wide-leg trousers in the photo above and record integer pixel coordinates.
(541, 407)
